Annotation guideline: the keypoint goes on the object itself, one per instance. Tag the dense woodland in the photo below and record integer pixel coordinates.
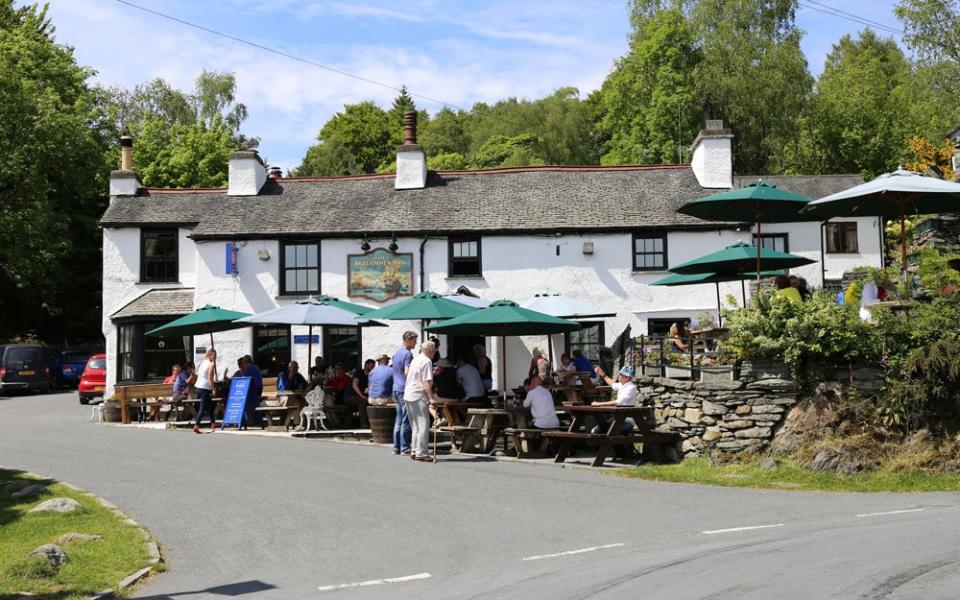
(877, 103)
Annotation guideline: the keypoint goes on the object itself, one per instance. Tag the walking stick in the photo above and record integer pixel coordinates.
(436, 423)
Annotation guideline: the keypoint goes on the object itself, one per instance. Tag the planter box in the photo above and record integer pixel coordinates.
(713, 374)
(651, 371)
(758, 369)
(675, 372)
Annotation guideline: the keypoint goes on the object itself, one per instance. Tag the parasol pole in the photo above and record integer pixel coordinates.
(903, 252)
(550, 349)
(719, 316)
(743, 292)
(309, 348)
(758, 242)
(503, 366)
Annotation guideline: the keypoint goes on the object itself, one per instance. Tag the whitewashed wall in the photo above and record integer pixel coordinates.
(514, 267)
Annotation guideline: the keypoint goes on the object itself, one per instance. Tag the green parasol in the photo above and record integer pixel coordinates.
(425, 306)
(741, 258)
(677, 279)
(504, 318)
(208, 319)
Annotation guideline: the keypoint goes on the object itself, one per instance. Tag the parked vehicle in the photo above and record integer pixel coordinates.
(93, 381)
(22, 369)
(67, 366)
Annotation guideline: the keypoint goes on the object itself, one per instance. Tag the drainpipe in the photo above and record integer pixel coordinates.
(422, 246)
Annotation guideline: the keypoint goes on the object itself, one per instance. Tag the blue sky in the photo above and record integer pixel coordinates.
(456, 51)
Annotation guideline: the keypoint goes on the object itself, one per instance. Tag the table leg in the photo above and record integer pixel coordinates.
(564, 451)
(603, 451)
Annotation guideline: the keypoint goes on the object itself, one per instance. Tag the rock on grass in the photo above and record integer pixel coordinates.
(58, 505)
(68, 538)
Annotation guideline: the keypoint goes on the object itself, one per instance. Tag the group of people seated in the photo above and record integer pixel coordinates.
(543, 409)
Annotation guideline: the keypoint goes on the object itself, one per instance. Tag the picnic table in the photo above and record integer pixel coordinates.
(491, 423)
(282, 415)
(605, 440)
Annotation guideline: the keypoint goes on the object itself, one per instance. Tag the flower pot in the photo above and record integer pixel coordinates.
(651, 371)
(675, 372)
(714, 374)
(111, 411)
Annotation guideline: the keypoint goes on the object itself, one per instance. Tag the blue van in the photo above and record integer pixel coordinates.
(22, 368)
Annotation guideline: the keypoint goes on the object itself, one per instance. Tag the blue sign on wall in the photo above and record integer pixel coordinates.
(305, 339)
(236, 401)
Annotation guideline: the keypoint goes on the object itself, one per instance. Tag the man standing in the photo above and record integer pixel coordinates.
(418, 394)
(401, 362)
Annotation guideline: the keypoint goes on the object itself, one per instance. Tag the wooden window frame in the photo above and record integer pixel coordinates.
(282, 275)
(644, 235)
(451, 260)
(772, 236)
(144, 234)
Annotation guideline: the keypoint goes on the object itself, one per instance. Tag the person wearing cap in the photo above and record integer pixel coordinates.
(540, 402)
(626, 393)
(380, 382)
(401, 363)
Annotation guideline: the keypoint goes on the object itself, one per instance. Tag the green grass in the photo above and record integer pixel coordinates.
(93, 565)
(790, 476)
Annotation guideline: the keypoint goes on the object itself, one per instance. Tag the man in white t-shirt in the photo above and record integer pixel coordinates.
(417, 394)
(540, 402)
(626, 392)
(469, 379)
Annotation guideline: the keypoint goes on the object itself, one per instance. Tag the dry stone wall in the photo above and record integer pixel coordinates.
(722, 417)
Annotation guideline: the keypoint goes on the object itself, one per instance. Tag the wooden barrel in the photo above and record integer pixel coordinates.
(111, 412)
(381, 423)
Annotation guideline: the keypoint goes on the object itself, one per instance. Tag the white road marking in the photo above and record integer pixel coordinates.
(343, 586)
(571, 552)
(732, 529)
(892, 512)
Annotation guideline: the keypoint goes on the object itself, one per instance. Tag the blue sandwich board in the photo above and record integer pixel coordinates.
(236, 402)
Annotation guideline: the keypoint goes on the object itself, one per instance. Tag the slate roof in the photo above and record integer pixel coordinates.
(528, 199)
(814, 186)
(158, 303)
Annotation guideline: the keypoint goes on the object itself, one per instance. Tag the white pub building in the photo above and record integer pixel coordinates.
(597, 234)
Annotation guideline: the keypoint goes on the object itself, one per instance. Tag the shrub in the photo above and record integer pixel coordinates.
(928, 385)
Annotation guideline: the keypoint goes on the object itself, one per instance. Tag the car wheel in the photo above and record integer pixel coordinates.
(84, 400)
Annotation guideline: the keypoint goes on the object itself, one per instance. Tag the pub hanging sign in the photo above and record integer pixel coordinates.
(379, 275)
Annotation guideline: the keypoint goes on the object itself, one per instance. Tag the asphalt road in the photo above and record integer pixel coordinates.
(257, 517)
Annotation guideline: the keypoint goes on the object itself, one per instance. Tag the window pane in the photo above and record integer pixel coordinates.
(301, 256)
(312, 278)
(312, 255)
(291, 281)
(457, 250)
(658, 245)
(473, 249)
(638, 245)
(301, 281)
(290, 256)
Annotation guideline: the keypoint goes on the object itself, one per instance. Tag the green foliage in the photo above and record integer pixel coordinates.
(927, 386)
(186, 156)
(503, 151)
(359, 139)
(817, 333)
(448, 161)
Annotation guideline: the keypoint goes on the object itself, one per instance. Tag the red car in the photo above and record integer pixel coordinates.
(93, 381)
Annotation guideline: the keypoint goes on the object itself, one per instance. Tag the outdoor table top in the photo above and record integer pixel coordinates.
(589, 408)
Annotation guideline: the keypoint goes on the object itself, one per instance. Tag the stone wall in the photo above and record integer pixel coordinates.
(723, 417)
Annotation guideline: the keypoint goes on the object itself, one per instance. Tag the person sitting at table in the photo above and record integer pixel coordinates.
(626, 392)
(474, 389)
(317, 371)
(291, 380)
(680, 337)
(380, 382)
(174, 373)
(185, 380)
(785, 290)
(540, 402)
(539, 365)
(484, 366)
(582, 363)
(800, 284)
(445, 380)
(355, 396)
(339, 381)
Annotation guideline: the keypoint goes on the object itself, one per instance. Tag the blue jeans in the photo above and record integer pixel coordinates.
(206, 405)
(401, 426)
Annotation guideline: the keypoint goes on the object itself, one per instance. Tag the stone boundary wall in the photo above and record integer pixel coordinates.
(723, 417)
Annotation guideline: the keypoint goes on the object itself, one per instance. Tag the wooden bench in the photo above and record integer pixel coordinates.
(465, 439)
(603, 442)
(528, 442)
(149, 395)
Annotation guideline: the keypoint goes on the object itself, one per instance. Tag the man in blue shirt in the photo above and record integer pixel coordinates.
(254, 392)
(401, 361)
(582, 362)
(380, 382)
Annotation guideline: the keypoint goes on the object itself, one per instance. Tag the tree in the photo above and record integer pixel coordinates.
(516, 151)
(926, 154)
(52, 180)
(858, 120)
(647, 104)
(360, 139)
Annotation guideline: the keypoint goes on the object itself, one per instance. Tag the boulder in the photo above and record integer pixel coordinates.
(29, 490)
(52, 553)
(825, 460)
(768, 464)
(58, 505)
(69, 538)
(810, 419)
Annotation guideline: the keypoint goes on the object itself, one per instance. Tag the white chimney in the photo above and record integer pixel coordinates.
(712, 159)
(411, 161)
(124, 182)
(246, 173)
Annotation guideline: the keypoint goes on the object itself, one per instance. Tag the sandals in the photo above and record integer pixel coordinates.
(423, 458)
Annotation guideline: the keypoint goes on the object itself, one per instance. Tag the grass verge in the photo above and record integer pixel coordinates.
(93, 565)
(788, 475)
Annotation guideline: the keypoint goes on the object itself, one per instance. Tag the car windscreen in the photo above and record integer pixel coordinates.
(97, 363)
(17, 357)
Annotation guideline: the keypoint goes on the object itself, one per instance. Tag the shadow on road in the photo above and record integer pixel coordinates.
(230, 589)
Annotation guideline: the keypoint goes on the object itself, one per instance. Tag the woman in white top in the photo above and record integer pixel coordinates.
(206, 378)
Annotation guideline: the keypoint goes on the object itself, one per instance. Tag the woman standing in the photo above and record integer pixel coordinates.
(206, 378)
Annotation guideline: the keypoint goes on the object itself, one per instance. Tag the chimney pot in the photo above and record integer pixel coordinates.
(410, 127)
(275, 173)
(126, 153)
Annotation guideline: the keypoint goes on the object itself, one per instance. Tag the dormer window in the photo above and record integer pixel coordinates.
(159, 261)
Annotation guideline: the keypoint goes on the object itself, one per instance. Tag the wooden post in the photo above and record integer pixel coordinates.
(121, 395)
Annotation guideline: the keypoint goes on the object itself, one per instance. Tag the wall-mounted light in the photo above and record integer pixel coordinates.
(393, 247)
(263, 254)
(365, 245)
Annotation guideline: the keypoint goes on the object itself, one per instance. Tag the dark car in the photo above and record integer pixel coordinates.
(67, 366)
(93, 382)
(22, 369)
